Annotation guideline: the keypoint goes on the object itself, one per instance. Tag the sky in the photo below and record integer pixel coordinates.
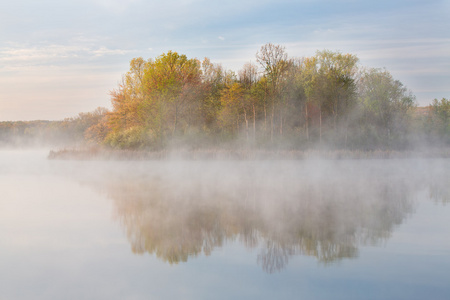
(60, 58)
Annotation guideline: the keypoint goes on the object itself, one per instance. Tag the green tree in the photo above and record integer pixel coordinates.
(440, 119)
(337, 89)
(329, 79)
(213, 82)
(310, 80)
(274, 61)
(385, 103)
(171, 86)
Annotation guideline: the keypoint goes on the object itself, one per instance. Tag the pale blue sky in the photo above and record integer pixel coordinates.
(59, 58)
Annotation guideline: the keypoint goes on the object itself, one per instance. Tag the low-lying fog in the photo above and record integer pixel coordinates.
(177, 210)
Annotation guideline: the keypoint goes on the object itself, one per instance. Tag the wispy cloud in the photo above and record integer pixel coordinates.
(41, 55)
(102, 51)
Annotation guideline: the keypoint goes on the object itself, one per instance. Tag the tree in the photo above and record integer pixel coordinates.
(126, 121)
(440, 119)
(329, 79)
(231, 107)
(174, 97)
(315, 80)
(98, 129)
(157, 99)
(336, 73)
(385, 103)
(248, 77)
(171, 83)
(274, 61)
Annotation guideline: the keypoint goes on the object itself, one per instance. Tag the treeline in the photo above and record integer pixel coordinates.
(68, 132)
(279, 102)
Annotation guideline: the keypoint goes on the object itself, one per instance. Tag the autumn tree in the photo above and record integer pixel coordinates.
(156, 99)
(171, 86)
(173, 97)
(231, 101)
(98, 126)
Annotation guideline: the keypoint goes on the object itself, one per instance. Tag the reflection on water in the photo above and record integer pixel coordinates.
(327, 210)
(440, 191)
(67, 229)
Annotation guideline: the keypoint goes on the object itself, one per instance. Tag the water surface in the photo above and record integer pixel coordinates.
(319, 229)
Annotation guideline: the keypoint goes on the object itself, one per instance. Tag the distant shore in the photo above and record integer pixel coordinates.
(244, 154)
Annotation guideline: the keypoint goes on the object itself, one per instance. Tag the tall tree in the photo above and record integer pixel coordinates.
(274, 61)
(330, 84)
(337, 72)
(126, 121)
(172, 84)
(232, 99)
(248, 77)
(312, 84)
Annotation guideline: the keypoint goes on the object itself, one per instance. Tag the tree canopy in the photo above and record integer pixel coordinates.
(279, 102)
(285, 102)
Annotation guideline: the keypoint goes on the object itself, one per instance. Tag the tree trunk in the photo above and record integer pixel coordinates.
(160, 125)
(281, 122)
(306, 122)
(254, 123)
(335, 115)
(237, 124)
(346, 132)
(320, 124)
(246, 124)
(176, 120)
(271, 122)
(265, 118)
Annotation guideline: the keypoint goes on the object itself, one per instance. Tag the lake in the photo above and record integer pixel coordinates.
(316, 229)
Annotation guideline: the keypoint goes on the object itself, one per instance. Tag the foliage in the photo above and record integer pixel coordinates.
(85, 128)
(157, 99)
(385, 105)
(436, 125)
(290, 103)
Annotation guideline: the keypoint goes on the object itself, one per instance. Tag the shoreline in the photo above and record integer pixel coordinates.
(243, 154)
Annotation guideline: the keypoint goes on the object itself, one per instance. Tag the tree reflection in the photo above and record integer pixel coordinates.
(440, 192)
(180, 214)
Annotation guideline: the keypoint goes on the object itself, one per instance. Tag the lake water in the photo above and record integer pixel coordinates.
(318, 229)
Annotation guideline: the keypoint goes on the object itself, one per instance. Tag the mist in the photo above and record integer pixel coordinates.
(189, 215)
(325, 209)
